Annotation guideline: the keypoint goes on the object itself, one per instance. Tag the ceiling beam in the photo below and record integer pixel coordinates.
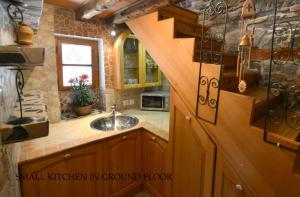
(103, 8)
(142, 8)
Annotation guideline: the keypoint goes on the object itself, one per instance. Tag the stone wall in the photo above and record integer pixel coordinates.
(65, 23)
(44, 78)
(8, 153)
(289, 11)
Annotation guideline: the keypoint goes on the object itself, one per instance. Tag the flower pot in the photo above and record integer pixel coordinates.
(82, 110)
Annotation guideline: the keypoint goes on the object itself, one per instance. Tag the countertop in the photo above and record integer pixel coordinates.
(71, 133)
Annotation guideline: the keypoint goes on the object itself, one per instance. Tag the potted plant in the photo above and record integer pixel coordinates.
(81, 93)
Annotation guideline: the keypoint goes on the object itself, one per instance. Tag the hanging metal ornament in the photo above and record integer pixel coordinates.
(243, 61)
(245, 46)
(15, 13)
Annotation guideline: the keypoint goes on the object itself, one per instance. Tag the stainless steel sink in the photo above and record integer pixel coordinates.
(114, 123)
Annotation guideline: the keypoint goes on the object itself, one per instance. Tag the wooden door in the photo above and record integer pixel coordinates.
(65, 174)
(193, 154)
(122, 163)
(154, 164)
(227, 181)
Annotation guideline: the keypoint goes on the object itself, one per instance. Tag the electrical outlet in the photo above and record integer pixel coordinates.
(125, 102)
(131, 102)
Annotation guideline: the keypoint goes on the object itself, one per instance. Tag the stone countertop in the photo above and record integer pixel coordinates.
(72, 133)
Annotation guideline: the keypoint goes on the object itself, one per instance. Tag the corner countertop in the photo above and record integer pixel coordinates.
(71, 133)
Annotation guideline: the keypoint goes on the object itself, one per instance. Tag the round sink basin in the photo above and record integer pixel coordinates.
(120, 122)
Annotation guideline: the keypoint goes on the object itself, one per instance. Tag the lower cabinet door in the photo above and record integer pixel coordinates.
(66, 174)
(193, 154)
(122, 164)
(154, 164)
(227, 181)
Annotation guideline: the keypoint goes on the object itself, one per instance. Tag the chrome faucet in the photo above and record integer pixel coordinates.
(113, 113)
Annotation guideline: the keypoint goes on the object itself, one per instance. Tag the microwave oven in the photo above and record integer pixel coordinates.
(155, 101)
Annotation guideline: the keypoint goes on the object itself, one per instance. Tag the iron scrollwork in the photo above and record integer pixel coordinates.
(284, 42)
(211, 51)
(206, 99)
(282, 115)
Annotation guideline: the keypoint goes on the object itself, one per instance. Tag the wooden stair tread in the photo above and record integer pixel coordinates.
(171, 9)
(259, 93)
(231, 73)
(281, 129)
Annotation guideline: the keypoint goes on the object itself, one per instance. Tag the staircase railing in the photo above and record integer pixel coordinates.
(212, 44)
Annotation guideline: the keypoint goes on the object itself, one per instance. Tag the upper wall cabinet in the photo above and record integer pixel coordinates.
(133, 66)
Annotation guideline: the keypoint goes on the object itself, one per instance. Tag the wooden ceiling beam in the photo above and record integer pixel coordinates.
(103, 8)
(142, 8)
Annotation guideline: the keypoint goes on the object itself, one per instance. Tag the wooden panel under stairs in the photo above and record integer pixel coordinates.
(174, 56)
(177, 57)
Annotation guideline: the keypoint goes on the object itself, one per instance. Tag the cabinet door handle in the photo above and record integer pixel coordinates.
(188, 118)
(153, 139)
(124, 137)
(239, 187)
(67, 156)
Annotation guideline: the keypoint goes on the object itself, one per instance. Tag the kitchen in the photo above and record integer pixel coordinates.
(125, 98)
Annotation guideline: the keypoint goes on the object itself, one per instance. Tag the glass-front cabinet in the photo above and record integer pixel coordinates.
(133, 66)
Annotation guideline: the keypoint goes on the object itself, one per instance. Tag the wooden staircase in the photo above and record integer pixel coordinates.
(172, 37)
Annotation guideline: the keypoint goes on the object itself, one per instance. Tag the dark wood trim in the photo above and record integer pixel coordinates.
(95, 61)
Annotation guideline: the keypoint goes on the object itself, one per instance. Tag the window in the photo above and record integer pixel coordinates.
(74, 58)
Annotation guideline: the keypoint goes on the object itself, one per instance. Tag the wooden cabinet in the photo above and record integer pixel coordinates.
(193, 154)
(227, 181)
(122, 160)
(66, 174)
(114, 167)
(133, 66)
(154, 164)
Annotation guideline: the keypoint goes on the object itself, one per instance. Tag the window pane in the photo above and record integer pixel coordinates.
(75, 71)
(76, 54)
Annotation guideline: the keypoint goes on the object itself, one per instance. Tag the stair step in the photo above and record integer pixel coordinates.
(260, 95)
(185, 30)
(178, 13)
(216, 46)
(230, 60)
(186, 21)
(230, 82)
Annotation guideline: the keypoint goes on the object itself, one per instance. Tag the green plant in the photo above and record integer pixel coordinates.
(81, 92)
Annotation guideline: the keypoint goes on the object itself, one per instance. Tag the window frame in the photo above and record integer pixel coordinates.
(95, 61)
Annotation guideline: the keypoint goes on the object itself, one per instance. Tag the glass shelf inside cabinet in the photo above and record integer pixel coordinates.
(152, 70)
(131, 61)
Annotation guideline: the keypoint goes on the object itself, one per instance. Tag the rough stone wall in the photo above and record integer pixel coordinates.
(289, 10)
(65, 23)
(9, 153)
(44, 78)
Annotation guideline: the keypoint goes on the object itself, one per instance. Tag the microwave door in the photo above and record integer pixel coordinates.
(152, 103)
